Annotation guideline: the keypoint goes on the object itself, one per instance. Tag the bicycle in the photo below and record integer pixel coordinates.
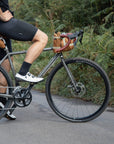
(77, 89)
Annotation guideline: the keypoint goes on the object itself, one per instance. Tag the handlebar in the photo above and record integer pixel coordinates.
(69, 41)
(71, 36)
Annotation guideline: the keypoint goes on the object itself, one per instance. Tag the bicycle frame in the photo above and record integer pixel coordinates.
(42, 73)
(46, 68)
(51, 62)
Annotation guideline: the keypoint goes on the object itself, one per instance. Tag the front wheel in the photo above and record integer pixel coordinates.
(84, 102)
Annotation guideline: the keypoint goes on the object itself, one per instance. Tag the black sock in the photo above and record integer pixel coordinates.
(24, 68)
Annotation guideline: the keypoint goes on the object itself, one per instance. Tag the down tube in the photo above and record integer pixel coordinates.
(51, 62)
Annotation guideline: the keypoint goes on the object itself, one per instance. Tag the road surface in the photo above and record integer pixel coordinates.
(38, 124)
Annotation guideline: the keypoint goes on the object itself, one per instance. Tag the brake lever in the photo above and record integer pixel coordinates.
(81, 33)
(81, 39)
(75, 43)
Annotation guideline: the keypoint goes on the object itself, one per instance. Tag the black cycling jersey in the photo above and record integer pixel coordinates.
(4, 5)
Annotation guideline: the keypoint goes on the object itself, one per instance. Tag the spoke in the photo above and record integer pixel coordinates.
(84, 102)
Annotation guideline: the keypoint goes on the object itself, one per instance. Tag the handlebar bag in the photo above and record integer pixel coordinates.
(2, 45)
(59, 43)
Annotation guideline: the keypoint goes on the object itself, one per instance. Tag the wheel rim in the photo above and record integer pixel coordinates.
(89, 104)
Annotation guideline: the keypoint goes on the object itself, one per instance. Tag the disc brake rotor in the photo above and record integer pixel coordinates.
(81, 90)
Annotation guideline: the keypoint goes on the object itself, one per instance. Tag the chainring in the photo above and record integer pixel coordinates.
(22, 97)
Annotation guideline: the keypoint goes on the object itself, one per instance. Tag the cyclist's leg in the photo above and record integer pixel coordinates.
(3, 82)
(5, 65)
(39, 42)
(22, 31)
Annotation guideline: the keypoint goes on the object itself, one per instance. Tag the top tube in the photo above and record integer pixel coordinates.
(18, 53)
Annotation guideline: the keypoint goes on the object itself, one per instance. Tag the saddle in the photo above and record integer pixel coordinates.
(2, 44)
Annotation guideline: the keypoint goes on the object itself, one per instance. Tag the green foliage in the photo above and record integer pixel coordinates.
(50, 15)
(96, 17)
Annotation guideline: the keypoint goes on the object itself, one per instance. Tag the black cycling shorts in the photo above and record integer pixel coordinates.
(17, 30)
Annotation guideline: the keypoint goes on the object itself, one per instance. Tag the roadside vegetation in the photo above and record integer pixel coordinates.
(95, 17)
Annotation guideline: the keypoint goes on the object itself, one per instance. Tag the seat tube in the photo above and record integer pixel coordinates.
(10, 61)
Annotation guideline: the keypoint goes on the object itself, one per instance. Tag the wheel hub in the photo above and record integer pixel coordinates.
(79, 91)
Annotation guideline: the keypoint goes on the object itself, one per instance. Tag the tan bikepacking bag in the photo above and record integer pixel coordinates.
(60, 42)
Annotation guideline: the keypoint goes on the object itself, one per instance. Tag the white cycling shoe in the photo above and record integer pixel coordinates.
(10, 116)
(7, 115)
(28, 77)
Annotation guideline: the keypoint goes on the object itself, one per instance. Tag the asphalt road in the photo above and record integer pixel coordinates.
(38, 124)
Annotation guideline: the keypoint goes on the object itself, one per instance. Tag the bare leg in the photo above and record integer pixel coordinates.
(39, 42)
(3, 82)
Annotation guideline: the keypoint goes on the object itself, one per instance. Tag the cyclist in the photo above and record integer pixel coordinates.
(15, 29)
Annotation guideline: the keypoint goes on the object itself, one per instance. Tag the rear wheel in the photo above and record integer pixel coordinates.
(92, 94)
(5, 88)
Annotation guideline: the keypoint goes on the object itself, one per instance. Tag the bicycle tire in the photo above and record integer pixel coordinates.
(92, 101)
(8, 102)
